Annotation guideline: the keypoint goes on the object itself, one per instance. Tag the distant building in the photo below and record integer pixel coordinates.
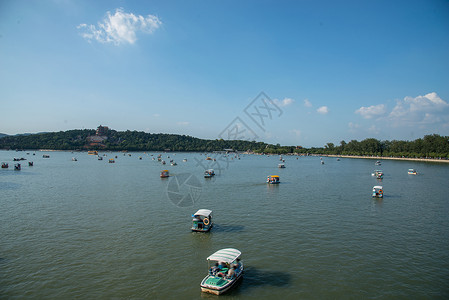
(102, 130)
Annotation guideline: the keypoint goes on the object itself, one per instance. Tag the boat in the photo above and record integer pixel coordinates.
(140, 157)
(17, 167)
(209, 173)
(281, 166)
(111, 161)
(5, 165)
(165, 174)
(378, 163)
(225, 270)
(412, 172)
(174, 163)
(322, 162)
(46, 156)
(92, 152)
(273, 179)
(378, 191)
(74, 159)
(163, 162)
(30, 164)
(202, 220)
(184, 160)
(208, 158)
(338, 159)
(100, 157)
(379, 174)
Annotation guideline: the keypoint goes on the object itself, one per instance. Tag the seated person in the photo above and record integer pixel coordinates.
(214, 270)
(231, 273)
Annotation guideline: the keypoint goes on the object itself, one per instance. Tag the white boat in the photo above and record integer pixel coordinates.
(378, 191)
(174, 163)
(378, 163)
(412, 172)
(100, 157)
(209, 173)
(184, 160)
(378, 173)
(202, 220)
(74, 159)
(225, 270)
(281, 166)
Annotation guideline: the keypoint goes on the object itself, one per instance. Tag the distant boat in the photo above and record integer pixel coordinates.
(378, 191)
(273, 179)
(164, 174)
(74, 159)
(100, 157)
(46, 156)
(17, 167)
(378, 163)
(5, 165)
(184, 160)
(30, 164)
(92, 152)
(209, 173)
(322, 162)
(281, 166)
(111, 161)
(412, 172)
(174, 163)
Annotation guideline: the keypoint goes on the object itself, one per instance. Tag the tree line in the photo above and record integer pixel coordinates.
(430, 146)
(434, 145)
(122, 140)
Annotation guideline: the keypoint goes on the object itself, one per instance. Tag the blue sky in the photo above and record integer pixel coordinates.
(330, 70)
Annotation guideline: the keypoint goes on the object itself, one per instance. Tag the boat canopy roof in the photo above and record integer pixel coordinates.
(203, 212)
(411, 170)
(164, 171)
(227, 255)
(273, 176)
(209, 170)
(379, 187)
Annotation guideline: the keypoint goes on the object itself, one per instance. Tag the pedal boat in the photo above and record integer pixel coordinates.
(378, 191)
(202, 220)
(165, 174)
(273, 179)
(412, 172)
(209, 173)
(217, 282)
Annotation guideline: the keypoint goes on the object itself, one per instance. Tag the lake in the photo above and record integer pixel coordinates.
(93, 229)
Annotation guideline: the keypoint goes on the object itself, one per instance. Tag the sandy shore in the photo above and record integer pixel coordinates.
(393, 158)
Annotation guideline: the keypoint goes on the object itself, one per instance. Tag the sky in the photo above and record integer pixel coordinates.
(289, 72)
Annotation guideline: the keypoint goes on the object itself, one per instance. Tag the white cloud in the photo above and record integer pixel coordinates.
(371, 111)
(427, 109)
(285, 102)
(322, 110)
(120, 27)
(307, 103)
(183, 123)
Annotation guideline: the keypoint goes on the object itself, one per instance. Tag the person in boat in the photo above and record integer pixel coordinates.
(237, 264)
(214, 270)
(231, 273)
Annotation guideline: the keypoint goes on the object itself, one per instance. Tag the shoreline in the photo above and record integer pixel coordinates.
(391, 158)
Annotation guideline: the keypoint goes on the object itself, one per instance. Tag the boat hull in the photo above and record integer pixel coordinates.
(220, 290)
